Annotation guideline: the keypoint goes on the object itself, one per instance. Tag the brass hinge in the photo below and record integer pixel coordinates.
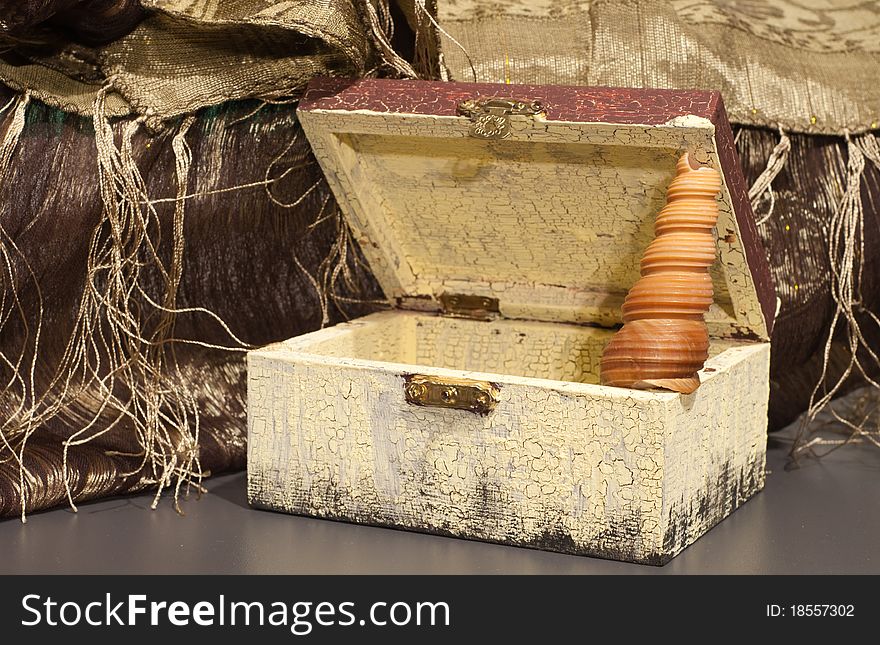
(467, 306)
(490, 118)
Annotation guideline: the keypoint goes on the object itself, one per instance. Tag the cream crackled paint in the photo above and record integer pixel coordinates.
(551, 222)
(568, 466)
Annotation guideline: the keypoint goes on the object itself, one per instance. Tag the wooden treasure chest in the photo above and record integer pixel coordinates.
(505, 224)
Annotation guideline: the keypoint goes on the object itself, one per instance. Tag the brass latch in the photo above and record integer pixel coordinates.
(478, 397)
(468, 306)
(490, 118)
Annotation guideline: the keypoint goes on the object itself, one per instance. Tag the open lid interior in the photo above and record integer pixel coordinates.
(552, 220)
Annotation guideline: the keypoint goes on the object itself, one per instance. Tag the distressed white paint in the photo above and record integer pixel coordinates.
(552, 222)
(559, 464)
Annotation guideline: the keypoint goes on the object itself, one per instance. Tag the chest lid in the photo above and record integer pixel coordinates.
(536, 201)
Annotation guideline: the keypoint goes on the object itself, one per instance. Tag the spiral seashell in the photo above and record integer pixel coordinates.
(664, 341)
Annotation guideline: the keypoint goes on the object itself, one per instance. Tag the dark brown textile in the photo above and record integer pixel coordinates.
(806, 193)
(239, 263)
(17, 17)
(92, 22)
(96, 22)
(92, 262)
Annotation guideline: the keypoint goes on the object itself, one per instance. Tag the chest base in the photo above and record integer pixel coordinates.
(558, 463)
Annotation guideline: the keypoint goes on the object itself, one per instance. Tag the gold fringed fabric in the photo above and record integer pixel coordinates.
(153, 230)
(17, 358)
(138, 266)
(763, 185)
(805, 67)
(854, 319)
(167, 58)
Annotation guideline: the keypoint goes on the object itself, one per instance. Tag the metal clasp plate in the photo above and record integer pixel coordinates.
(478, 397)
(490, 117)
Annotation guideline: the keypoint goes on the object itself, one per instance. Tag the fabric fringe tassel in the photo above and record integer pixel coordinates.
(119, 372)
(18, 393)
(425, 14)
(116, 331)
(763, 184)
(342, 254)
(378, 14)
(846, 252)
(121, 350)
(336, 265)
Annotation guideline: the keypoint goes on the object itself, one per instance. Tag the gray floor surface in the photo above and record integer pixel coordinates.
(821, 518)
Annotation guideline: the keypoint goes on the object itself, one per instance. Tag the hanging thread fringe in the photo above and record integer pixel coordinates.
(18, 393)
(119, 371)
(336, 265)
(763, 184)
(378, 13)
(846, 249)
(423, 14)
(119, 368)
(137, 386)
